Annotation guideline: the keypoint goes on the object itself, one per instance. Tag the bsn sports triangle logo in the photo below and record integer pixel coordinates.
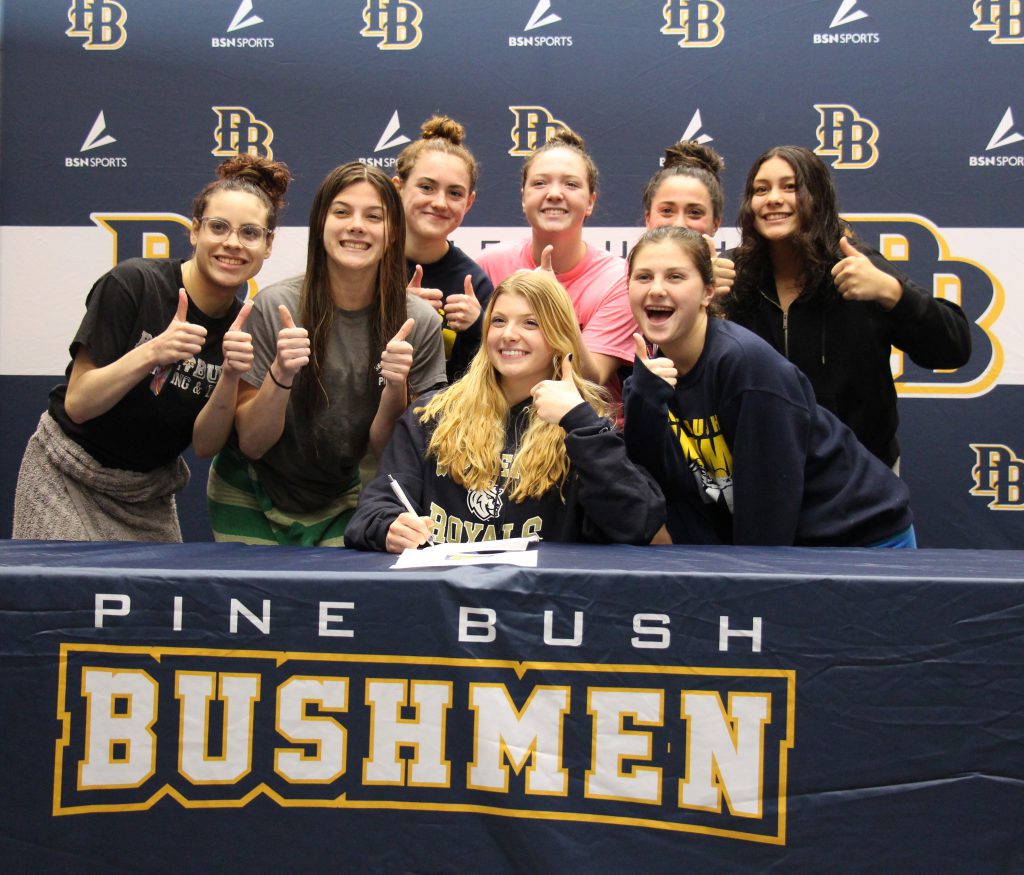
(692, 131)
(241, 20)
(1002, 136)
(846, 14)
(97, 135)
(388, 140)
(540, 18)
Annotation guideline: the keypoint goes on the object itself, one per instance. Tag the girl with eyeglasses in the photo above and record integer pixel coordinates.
(339, 353)
(155, 366)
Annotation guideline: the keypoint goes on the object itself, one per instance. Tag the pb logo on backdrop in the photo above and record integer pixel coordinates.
(396, 23)
(99, 22)
(847, 136)
(149, 235)
(239, 132)
(999, 475)
(533, 126)
(698, 23)
(1004, 18)
(917, 247)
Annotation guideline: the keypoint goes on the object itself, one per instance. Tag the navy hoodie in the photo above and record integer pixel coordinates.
(605, 497)
(744, 454)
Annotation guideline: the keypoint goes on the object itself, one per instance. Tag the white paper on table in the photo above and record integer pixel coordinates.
(504, 551)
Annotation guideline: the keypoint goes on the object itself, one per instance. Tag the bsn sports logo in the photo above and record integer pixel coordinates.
(96, 139)
(244, 17)
(847, 136)
(99, 22)
(1004, 18)
(396, 23)
(999, 475)
(239, 132)
(847, 13)
(391, 138)
(533, 127)
(542, 16)
(1003, 135)
(698, 23)
(692, 132)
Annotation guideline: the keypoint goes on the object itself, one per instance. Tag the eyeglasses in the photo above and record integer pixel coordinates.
(249, 236)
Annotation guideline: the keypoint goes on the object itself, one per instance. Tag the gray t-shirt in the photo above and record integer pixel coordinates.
(315, 460)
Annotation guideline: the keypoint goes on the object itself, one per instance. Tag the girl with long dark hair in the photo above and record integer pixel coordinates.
(339, 353)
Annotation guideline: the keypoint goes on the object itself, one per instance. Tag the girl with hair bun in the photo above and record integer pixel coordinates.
(436, 177)
(519, 446)
(559, 190)
(339, 352)
(687, 193)
(155, 366)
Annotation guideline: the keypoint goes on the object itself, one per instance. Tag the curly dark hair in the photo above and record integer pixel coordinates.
(265, 179)
(816, 241)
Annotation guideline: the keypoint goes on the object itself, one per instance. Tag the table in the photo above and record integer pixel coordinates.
(207, 707)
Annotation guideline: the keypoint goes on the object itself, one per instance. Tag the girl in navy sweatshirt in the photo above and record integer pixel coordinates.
(731, 430)
(521, 445)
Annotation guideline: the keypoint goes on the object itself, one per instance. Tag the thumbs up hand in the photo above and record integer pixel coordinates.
(724, 269)
(293, 349)
(434, 297)
(857, 278)
(662, 367)
(181, 339)
(545, 259)
(396, 359)
(238, 351)
(552, 399)
(462, 311)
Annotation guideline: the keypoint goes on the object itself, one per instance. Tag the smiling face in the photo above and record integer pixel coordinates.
(355, 229)
(436, 196)
(517, 347)
(685, 202)
(556, 196)
(773, 200)
(226, 264)
(669, 297)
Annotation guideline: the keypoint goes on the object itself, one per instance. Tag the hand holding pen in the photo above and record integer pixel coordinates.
(409, 529)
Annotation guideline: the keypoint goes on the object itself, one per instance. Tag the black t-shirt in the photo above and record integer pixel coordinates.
(448, 274)
(152, 424)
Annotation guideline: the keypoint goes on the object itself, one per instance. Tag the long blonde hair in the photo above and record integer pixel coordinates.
(471, 415)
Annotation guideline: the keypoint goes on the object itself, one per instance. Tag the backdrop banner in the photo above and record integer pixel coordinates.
(116, 112)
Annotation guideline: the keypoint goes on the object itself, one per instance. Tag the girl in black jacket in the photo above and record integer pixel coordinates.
(831, 305)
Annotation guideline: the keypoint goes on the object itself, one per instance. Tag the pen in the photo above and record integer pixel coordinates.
(396, 488)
